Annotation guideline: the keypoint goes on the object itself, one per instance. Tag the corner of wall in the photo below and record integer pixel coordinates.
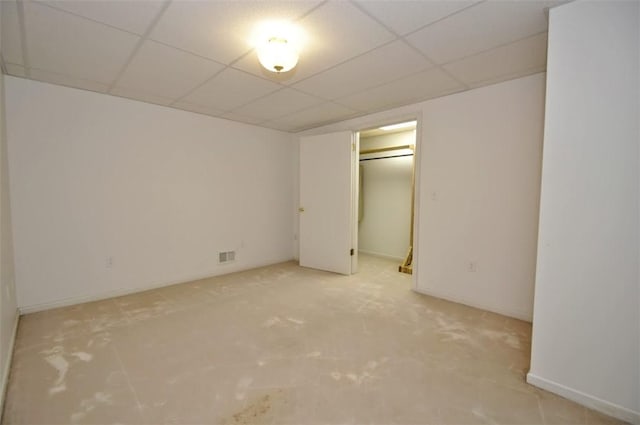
(6, 365)
(584, 399)
(8, 310)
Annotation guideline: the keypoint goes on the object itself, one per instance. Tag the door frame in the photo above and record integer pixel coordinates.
(355, 196)
(417, 164)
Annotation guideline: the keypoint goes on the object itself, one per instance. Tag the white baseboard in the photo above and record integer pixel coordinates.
(65, 302)
(377, 254)
(521, 315)
(587, 400)
(6, 367)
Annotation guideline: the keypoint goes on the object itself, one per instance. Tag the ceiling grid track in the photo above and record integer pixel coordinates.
(23, 38)
(198, 86)
(238, 59)
(363, 57)
(474, 54)
(411, 46)
(138, 45)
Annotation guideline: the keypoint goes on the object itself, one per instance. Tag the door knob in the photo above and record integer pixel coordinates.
(301, 209)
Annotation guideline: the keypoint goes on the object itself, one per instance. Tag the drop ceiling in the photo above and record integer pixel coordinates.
(360, 56)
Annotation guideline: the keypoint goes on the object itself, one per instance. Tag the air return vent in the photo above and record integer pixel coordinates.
(226, 257)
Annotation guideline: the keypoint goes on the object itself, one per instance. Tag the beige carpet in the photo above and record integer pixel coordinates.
(279, 345)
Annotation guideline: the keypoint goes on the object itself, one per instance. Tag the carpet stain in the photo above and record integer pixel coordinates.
(257, 410)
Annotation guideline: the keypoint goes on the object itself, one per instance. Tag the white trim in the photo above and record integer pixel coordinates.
(516, 314)
(417, 171)
(65, 302)
(355, 197)
(584, 399)
(417, 116)
(6, 367)
(385, 256)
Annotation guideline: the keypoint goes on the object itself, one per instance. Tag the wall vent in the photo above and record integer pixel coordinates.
(226, 257)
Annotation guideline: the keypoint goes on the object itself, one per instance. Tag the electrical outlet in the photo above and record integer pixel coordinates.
(472, 266)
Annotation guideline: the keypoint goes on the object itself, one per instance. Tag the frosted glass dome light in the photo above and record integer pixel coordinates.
(277, 54)
(278, 45)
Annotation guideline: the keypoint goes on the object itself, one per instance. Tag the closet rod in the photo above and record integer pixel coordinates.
(385, 157)
(387, 149)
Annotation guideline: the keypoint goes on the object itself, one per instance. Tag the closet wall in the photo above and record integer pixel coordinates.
(384, 226)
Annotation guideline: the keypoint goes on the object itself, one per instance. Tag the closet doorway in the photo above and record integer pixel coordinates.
(387, 192)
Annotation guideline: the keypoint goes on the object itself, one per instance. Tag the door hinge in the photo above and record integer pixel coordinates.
(351, 252)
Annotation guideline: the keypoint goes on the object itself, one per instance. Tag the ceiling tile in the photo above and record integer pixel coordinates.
(279, 127)
(164, 71)
(221, 30)
(315, 116)
(516, 59)
(140, 95)
(241, 118)
(133, 16)
(231, 89)
(349, 57)
(404, 16)
(335, 32)
(390, 62)
(15, 70)
(10, 33)
(481, 27)
(278, 104)
(197, 108)
(73, 46)
(64, 80)
(424, 85)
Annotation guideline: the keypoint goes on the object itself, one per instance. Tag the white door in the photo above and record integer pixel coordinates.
(327, 193)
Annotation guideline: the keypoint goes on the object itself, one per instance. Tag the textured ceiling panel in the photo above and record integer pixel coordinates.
(10, 28)
(358, 57)
(231, 89)
(482, 27)
(69, 45)
(132, 16)
(388, 63)
(165, 71)
(323, 113)
(278, 104)
(520, 58)
(424, 85)
(405, 16)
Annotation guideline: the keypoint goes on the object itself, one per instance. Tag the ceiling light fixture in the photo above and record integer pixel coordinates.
(399, 125)
(277, 45)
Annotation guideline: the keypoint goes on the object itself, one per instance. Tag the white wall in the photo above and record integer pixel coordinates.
(479, 155)
(586, 326)
(158, 190)
(386, 198)
(8, 310)
(479, 194)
